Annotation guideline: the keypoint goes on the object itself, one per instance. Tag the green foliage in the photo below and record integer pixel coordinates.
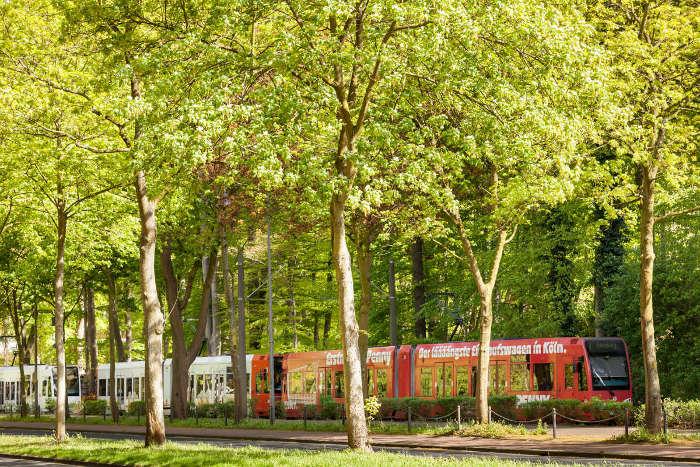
(94, 407)
(136, 408)
(679, 414)
(372, 407)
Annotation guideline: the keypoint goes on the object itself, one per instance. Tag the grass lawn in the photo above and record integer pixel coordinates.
(385, 427)
(174, 454)
(493, 430)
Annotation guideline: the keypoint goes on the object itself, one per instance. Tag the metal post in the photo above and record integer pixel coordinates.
(138, 415)
(270, 328)
(304, 417)
(84, 413)
(554, 423)
(663, 411)
(225, 415)
(627, 422)
(459, 417)
(37, 409)
(104, 412)
(489, 414)
(393, 326)
(409, 419)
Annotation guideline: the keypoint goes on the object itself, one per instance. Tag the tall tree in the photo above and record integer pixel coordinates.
(655, 49)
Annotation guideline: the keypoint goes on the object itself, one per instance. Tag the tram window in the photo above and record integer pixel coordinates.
(370, 382)
(462, 381)
(230, 383)
(426, 382)
(309, 383)
(129, 388)
(295, 382)
(339, 384)
(72, 381)
(103, 387)
(497, 377)
(326, 377)
(569, 376)
(207, 382)
(137, 388)
(444, 380)
(120, 388)
(519, 376)
(582, 378)
(543, 377)
(475, 380)
(381, 383)
(261, 386)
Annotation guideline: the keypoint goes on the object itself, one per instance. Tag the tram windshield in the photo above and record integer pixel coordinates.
(72, 381)
(608, 360)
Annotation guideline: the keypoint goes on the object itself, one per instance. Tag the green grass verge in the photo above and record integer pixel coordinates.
(641, 435)
(132, 453)
(378, 427)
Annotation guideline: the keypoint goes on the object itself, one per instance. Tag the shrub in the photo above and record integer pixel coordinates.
(50, 405)
(372, 407)
(594, 409)
(330, 409)
(679, 414)
(94, 407)
(137, 408)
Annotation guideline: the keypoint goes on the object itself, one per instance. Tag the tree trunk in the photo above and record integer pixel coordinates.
(482, 389)
(212, 333)
(153, 323)
(242, 382)
(80, 342)
(231, 305)
(37, 409)
(349, 332)
(113, 337)
(364, 264)
(653, 414)
(418, 277)
(125, 355)
(17, 324)
(91, 341)
(393, 319)
(59, 316)
(291, 303)
(184, 355)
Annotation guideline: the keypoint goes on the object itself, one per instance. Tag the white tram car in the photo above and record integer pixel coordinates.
(210, 381)
(46, 376)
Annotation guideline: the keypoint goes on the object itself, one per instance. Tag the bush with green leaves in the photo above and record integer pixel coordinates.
(679, 414)
(137, 408)
(594, 409)
(94, 407)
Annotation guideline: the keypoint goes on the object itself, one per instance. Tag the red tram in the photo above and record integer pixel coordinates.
(530, 369)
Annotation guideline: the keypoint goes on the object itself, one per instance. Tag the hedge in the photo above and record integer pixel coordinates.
(94, 407)
(137, 408)
(594, 409)
(679, 414)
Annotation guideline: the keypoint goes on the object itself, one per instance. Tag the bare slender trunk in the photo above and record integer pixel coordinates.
(231, 305)
(653, 415)
(364, 265)
(20, 340)
(482, 369)
(349, 330)
(183, 354)
(291, 303)
(126, 350)
(242, 384)
(418, 277)
(80, 342)
(91, 341)
(59, 316)
(113, 337)
(36, 359)
(153, 323)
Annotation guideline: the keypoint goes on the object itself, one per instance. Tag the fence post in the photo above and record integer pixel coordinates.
(459, 417)
(627, 422)
(304, 417)
(138, 415)
(104, 412)
(225, 415)
(409, 419)
(554, 423)
(196, 415)
(490, 414)
(84, 413)
(663, 411)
